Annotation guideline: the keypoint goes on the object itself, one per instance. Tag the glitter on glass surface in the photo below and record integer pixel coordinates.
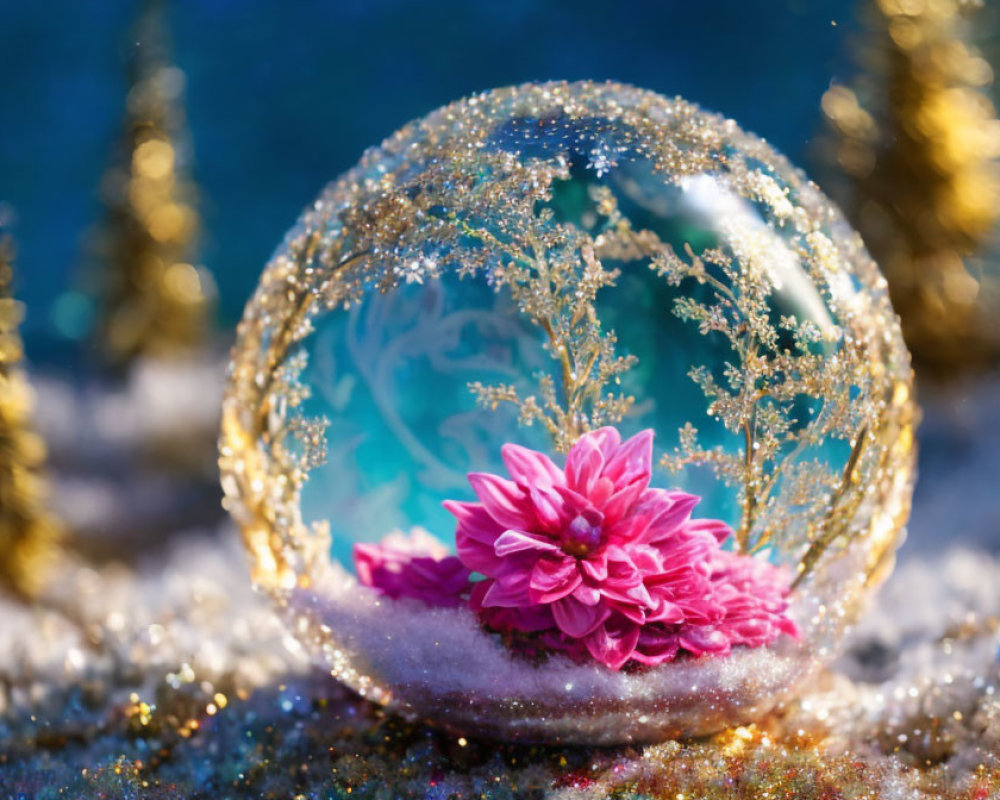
(526, 266)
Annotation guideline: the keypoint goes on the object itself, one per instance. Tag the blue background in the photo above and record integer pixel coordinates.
(283, 96)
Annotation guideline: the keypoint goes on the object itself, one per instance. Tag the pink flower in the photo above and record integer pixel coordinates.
(415, 565)
(752, 592)
(594, 561)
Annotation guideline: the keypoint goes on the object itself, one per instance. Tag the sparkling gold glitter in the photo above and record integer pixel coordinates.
(29, 533)
(155, 302)
(918, 139)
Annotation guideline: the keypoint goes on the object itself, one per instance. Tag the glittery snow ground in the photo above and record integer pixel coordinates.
(169, 678)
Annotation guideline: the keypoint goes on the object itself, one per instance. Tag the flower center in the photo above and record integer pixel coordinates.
(581, 536)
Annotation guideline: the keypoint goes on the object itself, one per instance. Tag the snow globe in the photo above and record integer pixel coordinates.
(570, 414)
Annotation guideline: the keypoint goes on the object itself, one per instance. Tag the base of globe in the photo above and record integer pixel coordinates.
(439, 666)
(696, 702)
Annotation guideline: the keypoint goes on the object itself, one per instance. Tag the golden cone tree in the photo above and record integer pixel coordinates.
(155, 301)
(29, 533)
(918, 139)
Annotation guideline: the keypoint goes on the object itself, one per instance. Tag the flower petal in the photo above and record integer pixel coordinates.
(632, 612)
(607, 439)
(716, 527)
(613, 646)
(475, 520)
(474, 537)
(506, 502)
(510, 542)
(646, 559)
(548, 509)
(529, 467)
(399, 570)
(587, 595)
(510, 591)
(788, 627)
(674, 509)
(576, 619)
(367, 559)
(665, 611)
(531, 619)
(576, 504)
(621, 570)
(595, 566)
(701, 641)
(554, 578)
(632, 461)
(583, 465)
(623, 594)
(622, 501)
(655, 646)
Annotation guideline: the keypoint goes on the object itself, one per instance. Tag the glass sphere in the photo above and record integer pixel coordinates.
(570, 414)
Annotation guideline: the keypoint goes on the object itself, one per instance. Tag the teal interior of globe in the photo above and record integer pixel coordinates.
(391, 374)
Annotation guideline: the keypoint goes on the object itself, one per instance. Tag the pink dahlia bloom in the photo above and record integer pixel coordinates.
(415, 565)
(594, 561)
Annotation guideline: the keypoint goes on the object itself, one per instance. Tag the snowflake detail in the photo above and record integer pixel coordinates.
(415, 270)
(602, 160)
